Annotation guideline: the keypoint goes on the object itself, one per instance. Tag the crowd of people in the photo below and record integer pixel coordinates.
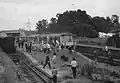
(48, 47)
(24, 44)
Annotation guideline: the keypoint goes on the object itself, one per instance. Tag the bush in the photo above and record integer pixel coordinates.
(87, 70)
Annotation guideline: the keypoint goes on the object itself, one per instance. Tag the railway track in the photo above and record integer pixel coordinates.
(98, 46)
(88, 51)
(29, 72)
(114, 62)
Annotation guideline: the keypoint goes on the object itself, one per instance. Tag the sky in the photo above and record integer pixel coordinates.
(14, 14)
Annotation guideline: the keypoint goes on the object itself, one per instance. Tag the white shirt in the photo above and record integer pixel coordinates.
(57, 42)
(54, 57)
(48, 45)
(73, 63)
(44, 45)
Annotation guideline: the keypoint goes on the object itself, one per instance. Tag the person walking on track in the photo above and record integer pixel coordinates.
(73, 66)
(47, 61)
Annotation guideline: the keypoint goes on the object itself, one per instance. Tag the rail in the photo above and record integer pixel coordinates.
(103, 59)
(40, 74)
(97, 46)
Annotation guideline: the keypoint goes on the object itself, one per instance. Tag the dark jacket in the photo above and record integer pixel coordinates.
(47, 59)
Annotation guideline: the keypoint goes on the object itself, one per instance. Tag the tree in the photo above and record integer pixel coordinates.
(41, 24)
(57, 15)
(53, 20)
(88, 31)
(101, 24)
(73, 17)
(44, 23)
(108, 19)
(76, 19)
(115, 19)
(79, 23)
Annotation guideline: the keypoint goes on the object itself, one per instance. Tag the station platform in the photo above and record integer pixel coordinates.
(36, 57)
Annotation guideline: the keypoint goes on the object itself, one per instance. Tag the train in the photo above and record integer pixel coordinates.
(7, 44)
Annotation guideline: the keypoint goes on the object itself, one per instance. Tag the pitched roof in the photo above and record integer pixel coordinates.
(26, 33)
(11, 31)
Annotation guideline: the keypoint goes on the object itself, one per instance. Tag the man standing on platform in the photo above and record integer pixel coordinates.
(22, 43)
(47, 61)
(44, 48)
(30, 46)
(48, 47)
(96, 53)
(54, 73)
(105, 51)
(70, 49)
(19, 43)
(73, 66)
